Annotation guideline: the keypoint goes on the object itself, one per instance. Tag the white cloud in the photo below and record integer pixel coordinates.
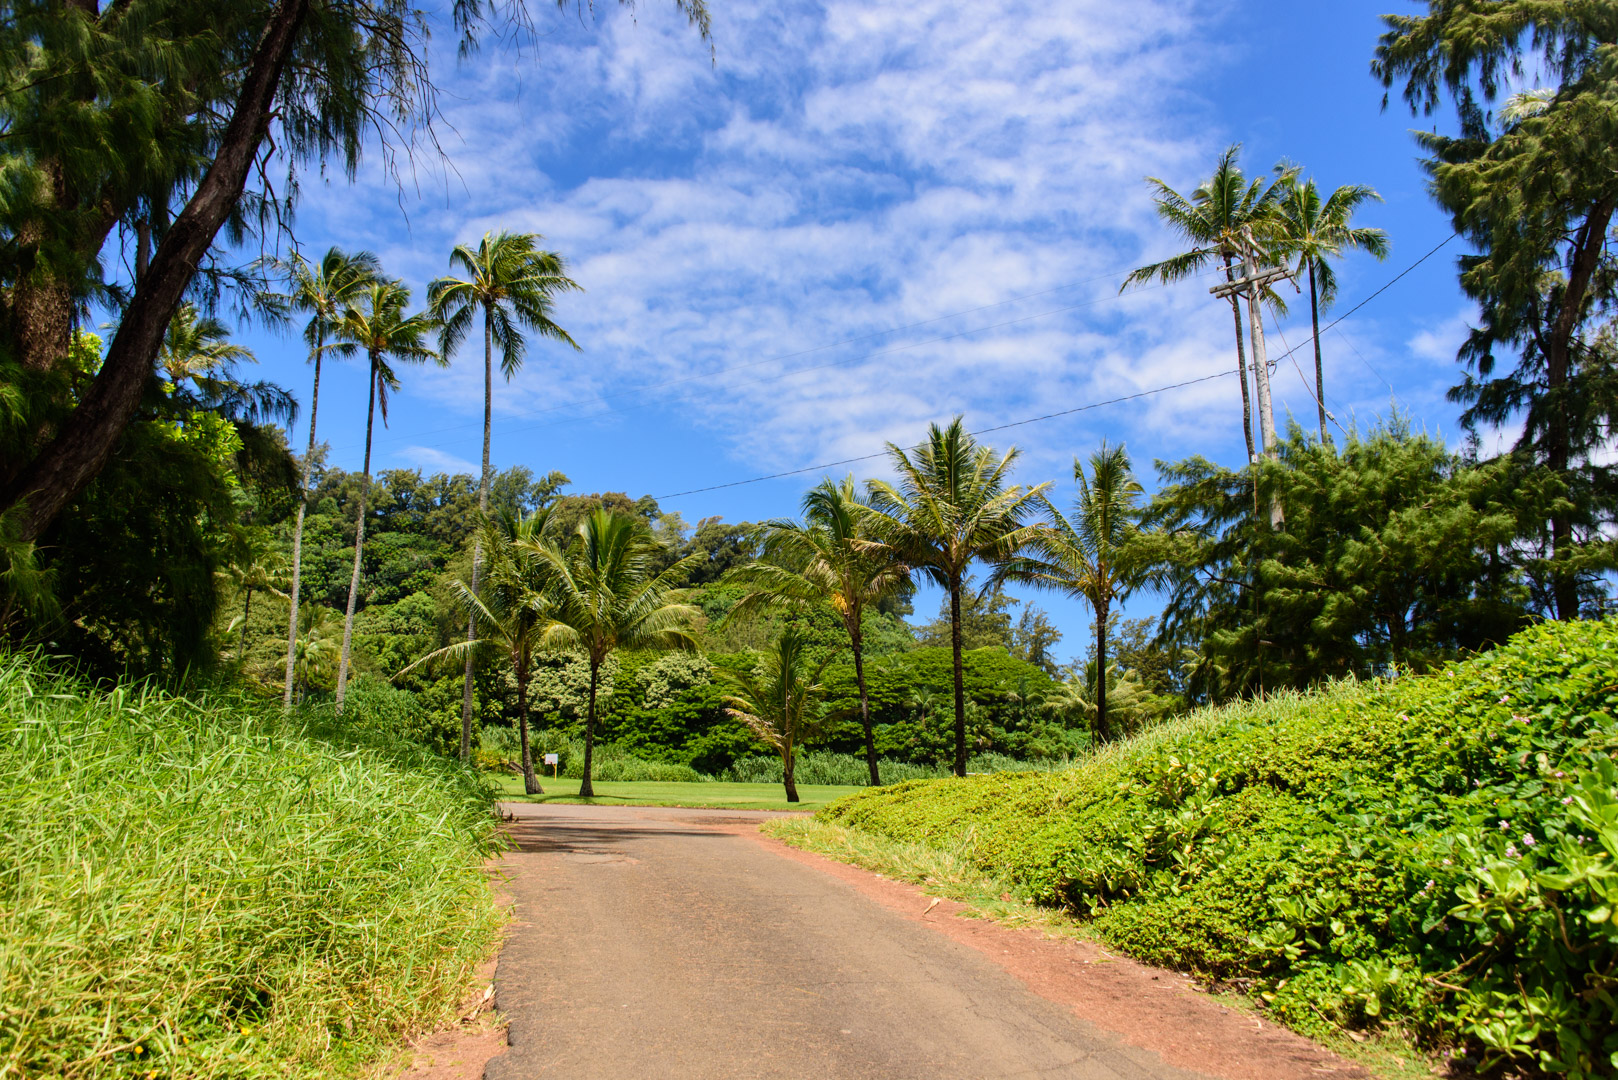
(425, 457)
(843, 169)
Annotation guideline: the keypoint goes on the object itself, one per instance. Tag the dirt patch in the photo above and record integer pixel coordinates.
(1152, 1008)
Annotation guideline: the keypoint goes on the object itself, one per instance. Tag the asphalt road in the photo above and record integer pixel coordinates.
(653, 944)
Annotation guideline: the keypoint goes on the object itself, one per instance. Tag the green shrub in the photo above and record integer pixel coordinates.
(200, 888)
(825, 767)
(1437, 851)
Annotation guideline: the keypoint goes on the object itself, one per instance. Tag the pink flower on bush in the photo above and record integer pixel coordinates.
(1528, 839)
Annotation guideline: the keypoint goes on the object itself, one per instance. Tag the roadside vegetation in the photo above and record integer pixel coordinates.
(1316, 773)
(1432, 852)
(201, 887)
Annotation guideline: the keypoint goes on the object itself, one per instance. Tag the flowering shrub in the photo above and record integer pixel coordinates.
(1434, 851)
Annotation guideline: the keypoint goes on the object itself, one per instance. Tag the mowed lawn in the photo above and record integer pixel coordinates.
(653, 793)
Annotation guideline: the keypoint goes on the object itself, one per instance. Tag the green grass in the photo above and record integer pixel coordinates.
(197, 888)
(712, 794)
(1433, 855)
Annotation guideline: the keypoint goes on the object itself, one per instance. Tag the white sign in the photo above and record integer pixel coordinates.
(553, 759)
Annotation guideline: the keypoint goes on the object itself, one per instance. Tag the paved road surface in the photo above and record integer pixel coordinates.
(650, 944)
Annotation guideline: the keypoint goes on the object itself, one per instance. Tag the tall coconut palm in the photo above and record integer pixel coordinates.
(1317, 232)
(375, 323)
(775, 698)
(826, 559)
(512, 283)
(511, 606)
(606, 595)
(323, 290)
(1092, 555)
(1215, 219)
(953, 506)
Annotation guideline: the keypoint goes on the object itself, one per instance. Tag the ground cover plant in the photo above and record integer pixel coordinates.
(196, 887)
(1430, 852)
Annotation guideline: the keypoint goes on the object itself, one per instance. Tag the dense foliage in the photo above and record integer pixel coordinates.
(1433, 851)
(198, 887)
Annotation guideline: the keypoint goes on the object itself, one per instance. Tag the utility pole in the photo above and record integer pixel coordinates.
(1252, 283)
(1261, 359)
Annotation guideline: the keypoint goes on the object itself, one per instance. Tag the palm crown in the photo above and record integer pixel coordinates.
(1316, 232)
(324, 289)
(511, 606)
(826, 558)
(375, 323)
(605, 595)
(1090, 553)
(513, 283)
(953, 505)
(773, 699)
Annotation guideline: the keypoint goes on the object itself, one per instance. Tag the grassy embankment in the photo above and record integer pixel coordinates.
(1434, 854)
(196, 888)
(712, 793)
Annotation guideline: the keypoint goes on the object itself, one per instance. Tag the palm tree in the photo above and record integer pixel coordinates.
(512, 604)
(199, 361)
(323, 290)
(825, 558)
(1092, 555)
(774, 697)
(1317, 232)
(513, 283)
(1216, 219)
(376, 324)
(606, 596)
(316, 648)
(257, 569)
(951, 507)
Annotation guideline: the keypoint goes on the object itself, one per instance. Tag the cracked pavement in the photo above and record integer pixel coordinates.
(668, 944)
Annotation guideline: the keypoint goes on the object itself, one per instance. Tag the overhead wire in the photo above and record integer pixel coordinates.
(980, 431)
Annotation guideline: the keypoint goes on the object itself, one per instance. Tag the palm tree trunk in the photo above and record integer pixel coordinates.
(857, 639)
(1102, 733)
(1241, 364)
(530, 782)
(586, 789)
(359, 549)
(247, 609)
(788, 765)
(960, 690)
(1320, 378)
(297, 529)
(477, 539)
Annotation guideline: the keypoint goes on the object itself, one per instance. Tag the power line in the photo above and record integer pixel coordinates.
(1077, 409)
(980, 431)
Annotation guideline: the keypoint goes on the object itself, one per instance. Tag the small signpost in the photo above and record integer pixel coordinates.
(554, 761)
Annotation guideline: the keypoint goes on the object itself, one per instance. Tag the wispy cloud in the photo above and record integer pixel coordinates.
(425, 457)
(842, 169)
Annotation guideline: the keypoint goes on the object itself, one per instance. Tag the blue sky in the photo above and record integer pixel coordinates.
(858, 217)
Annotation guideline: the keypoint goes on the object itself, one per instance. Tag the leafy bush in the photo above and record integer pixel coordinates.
(499, 748)
(196, 888)
(1437, 851)
(824, 767)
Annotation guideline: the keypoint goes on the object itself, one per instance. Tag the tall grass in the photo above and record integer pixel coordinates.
(197, 888)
